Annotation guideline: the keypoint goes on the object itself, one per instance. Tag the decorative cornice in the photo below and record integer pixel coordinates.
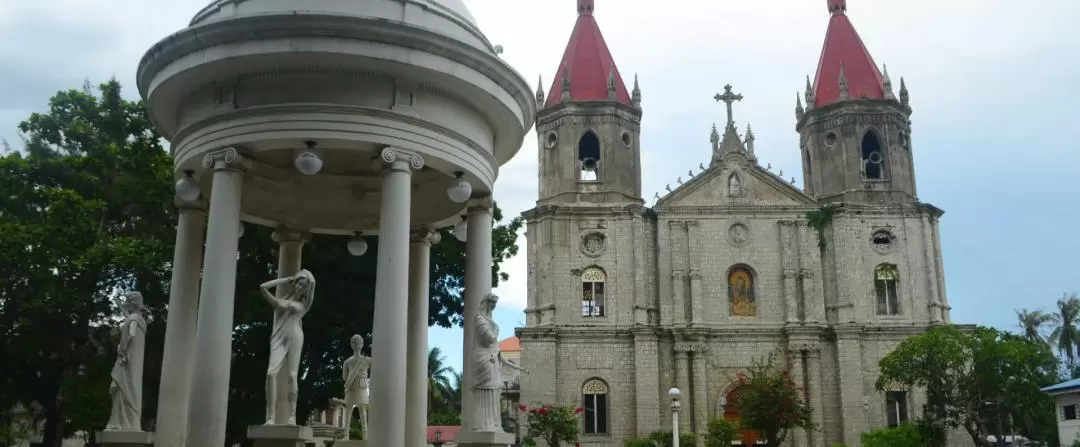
(548, 210)
(400, 159)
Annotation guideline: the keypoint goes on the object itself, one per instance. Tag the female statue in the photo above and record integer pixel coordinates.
(126, 386)
(489, 366)
(297, 293)
(355, 374)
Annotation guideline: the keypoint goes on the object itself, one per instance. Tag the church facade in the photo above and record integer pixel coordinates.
(736, 264)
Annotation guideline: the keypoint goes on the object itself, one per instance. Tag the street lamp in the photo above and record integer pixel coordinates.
(674, 393)
(1000, 436)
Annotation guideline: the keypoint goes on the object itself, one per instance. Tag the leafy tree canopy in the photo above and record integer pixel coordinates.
(770, 403)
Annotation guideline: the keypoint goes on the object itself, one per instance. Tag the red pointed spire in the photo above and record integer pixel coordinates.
(845, 53)
(587, 63)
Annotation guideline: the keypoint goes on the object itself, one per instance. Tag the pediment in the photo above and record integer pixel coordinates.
(735, 180)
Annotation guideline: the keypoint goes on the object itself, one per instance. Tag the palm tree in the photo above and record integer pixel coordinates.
(1032, 323)
(438, 383)
(453, 395)
(1066, 336)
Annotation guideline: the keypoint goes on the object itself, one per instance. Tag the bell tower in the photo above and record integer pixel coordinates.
(855, 133)
(589, 124)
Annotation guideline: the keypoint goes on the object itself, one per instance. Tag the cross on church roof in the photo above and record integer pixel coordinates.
(728, 97)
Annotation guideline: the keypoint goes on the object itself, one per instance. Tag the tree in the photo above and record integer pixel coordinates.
(721, 432)
(1066, 334)
(85, 211)
(770, 403)
(1033, 322)
(438, 382)
(552, 424)
(964, 372)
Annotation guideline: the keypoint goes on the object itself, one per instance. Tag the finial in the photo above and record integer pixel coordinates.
(835, 6)
(701, 166)
(668, 188)
(635, 96)
(809, 94)
(799, 111)
(728, 98)
(903, 93)
(749, 139)
(886, 82)
(843, 83)
(584, 7)
(611, 81)
(768, 166)
(678, 180)
(566, 83)
(714, 138)
(781, 173)
(540, 91)
(793, 180)
(656, 196)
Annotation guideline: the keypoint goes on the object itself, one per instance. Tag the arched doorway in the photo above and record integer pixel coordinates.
(731, 413)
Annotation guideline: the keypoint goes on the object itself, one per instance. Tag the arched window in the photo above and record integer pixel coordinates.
(873, 157)
(589, 157)
(886, 278)
(595, 403)
(592, 292)
(741, 292)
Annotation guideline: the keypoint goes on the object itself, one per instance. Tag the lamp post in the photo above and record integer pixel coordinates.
(674, 393)
(1000, 436)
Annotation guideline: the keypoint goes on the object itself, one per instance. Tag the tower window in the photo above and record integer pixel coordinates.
(595, 404)
(896, 407)
(551, 140)
(873, 158)
(592, 292)
(589, 157)
(886, 278)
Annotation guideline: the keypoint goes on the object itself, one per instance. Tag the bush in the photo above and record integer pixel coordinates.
(552, 424)
(904, 435)
(639, 442)
(664, 439)
(721, 433)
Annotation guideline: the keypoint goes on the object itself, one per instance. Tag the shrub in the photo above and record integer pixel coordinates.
(904, 435)
(721, 433)
(551, 424)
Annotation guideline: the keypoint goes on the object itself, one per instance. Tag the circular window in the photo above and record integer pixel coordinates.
(882, 241)
(875, 157)
(830, 139)
(593, 245)
(626, 140)
(551, 139)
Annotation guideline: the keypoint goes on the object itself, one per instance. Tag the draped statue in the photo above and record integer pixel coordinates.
(355, 373)
(489, 367)
(126, 386)
(297, 293)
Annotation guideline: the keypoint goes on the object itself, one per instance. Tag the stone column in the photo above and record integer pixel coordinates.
(290, 252)
(174, 392)
(813, 364)
(697, 301)
(678, 296)
(646, 380)
(213, 337)
(390, 331)
(477, 285)
(795, 359)
(789, 261)
(416, 389)
(697, 297)
(701, 393)
(934, 306)
(682, 381)
(852, 392)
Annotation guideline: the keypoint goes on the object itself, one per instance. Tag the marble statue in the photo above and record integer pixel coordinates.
(126, 386)
(489, 367)
(355, 373)
(286, 340)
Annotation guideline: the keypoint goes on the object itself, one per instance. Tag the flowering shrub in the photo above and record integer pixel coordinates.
(770, 403)
(552, 424)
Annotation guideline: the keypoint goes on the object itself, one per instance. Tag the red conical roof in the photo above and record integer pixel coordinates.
(588, 63)
(843, 47)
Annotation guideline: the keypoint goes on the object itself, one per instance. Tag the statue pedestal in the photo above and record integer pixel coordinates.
(353, 443)
(280, 435)
(120, 438)
(483, 439)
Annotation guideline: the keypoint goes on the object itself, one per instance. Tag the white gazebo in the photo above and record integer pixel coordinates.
(341, 117)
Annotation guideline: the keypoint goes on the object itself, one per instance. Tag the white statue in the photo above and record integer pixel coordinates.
(126, 386)
(286, 342)
(355, 373)
(489, 367)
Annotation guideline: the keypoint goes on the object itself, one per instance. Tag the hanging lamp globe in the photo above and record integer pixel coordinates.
(461, 191)
(461, 229)
(308, 162)
(357, 245)
(186, 188)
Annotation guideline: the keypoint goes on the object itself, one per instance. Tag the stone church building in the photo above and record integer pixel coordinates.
(626, 301)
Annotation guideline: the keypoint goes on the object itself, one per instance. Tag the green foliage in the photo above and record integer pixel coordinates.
(441, 418)
(819, 220)
(963, 370)
(904, 435)
(87, 210)
(638, 441)
(721, 432)
(769, 402)
(1066, 334)
(666, 439)
(551, 424)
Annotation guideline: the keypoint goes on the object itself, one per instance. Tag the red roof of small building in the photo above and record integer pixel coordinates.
(512, 344)
(844, 48)
(447, 433)
(588, 63)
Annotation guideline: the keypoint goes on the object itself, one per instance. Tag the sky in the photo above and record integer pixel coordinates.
(994, 90)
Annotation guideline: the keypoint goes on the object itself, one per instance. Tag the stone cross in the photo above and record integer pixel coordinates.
(728, 97)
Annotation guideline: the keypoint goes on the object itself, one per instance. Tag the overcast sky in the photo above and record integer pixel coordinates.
(995, 88)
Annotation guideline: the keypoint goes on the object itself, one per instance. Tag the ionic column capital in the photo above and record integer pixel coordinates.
(225, 159)
(401, 160)
(424, 236)
(480, 204)
(196, 206)
(290, 235)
